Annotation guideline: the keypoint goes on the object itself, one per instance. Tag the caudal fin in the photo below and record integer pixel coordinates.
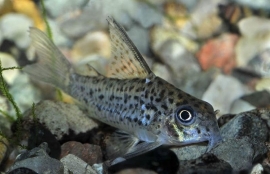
(52, 66)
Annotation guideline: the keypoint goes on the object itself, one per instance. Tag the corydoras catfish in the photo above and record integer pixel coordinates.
(148, 110)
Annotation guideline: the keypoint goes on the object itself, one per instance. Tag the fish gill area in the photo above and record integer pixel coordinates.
(216, 50)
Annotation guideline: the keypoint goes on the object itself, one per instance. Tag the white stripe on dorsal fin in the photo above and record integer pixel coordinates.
(127, 62)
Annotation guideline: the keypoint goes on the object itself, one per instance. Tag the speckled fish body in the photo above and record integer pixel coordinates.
(130, 97)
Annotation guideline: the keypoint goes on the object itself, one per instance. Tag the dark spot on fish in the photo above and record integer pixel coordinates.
(160, 82)
(139, 122)
(185, 102)
(136, 97)
(111, 97)
(147, 106)
(85, 100)
(170, 100)
(141, 102)
(170, 93)
(142, 111)
(91, 92)
(82, 88)
(161, 94)
(154, 108)
(164, 106)
(130, 106)
(207, 129)
(158, 99)
(136, 105)
(180, 96)
(99, 89)
(130, 88)
(159, 113)
(125, 98)
(150, 83)
(152, 90)
(135, 119)
(198, 130)
(147, 117)
(151, 98)
(146, 94)
(196, 105)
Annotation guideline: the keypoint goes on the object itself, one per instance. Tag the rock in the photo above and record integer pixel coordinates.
(237, 152)
(97, 62)
(206, 164)
(87, 19)
(257, 169)
(37, 160)
(263, 84)
(228, 88)
(89, 153)
(197, 83)
(262, 4)
(58, 8)
(136, 171)
(140, 38)
(204, 21)
(8, 61)
(189, 152)
(260, 99)
(240, 105)
(160, 36)
(9, 28)
(24, 93)
(92, 43)
(73, 164)
(62, 119)
(254, 31)
(162, 71)
(248, 124)
(219, 52)
(59, 39)
(142, 10)
(3, 148)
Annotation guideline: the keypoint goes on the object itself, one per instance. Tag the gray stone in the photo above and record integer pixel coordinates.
(62, 118)
(261, 4)
(258, 99)
(162, 71)
(75, 165)
(146, 15)
(58, 8)
(206, 164)
(189, 152)
(140, 38)
(37, 160)
(228, 89)
(237, 152)
(14, 27)
(240, 105)
(24, 93)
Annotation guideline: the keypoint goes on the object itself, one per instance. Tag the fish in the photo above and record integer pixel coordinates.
(147, 110)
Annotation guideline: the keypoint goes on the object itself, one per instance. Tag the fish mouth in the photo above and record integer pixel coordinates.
(213, 141)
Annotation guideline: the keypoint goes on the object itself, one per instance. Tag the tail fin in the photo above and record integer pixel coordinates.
(52, 66)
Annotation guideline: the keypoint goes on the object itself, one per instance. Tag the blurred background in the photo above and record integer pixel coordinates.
(216, 50)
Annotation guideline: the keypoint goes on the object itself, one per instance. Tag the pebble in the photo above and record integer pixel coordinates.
(24, 92)
(160, 36)
(92, 43)
(58, 8)
(140, 38)
(240, 105)
(8, 61)
(219, 52)
(247, 124)
(75, 165)
(36, 160)
(257, 169)
(19, 34)
(89, 153)
(190, 152)
(206, 164)
(262, 4)
(263, 84)
(69, 121)
(237, 152)
(136, 171)
(228, 90)
(259, 99)
(254, 31)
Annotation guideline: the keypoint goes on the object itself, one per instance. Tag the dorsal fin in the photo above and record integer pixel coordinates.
(127, 62)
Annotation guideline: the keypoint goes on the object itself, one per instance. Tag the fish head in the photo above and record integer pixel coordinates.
(192, 122)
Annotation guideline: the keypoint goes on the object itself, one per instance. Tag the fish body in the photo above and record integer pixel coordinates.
(130, 97)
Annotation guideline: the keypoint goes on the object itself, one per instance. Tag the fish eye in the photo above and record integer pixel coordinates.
(185, 115)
